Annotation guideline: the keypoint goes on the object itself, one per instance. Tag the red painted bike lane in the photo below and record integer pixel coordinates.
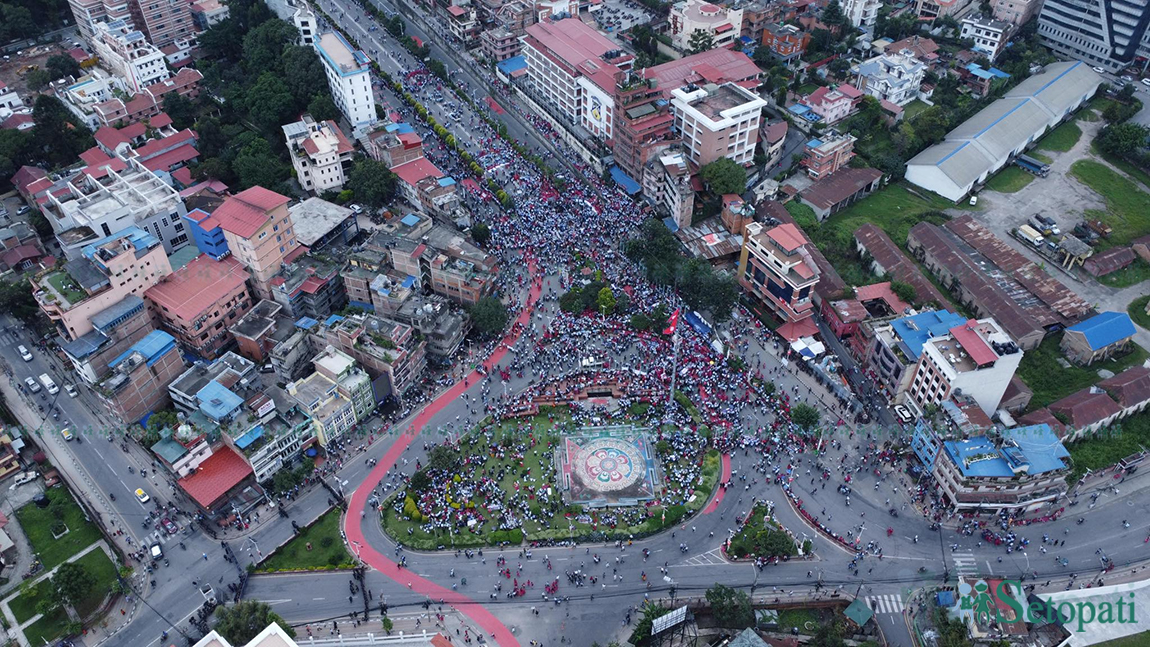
(380, 562)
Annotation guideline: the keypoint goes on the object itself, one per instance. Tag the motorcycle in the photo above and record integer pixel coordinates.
(112, 496)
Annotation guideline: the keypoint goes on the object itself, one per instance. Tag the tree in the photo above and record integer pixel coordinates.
(606, 302)
(61, 66)
(180, 109)
(372, 182)
(71, 583)
(840, 67)
(58, 139)
(1127, 92)
(904, 291)
(571, 301)
(730, 608)
(1123, 139)
(763, 56)
(833, 15)
(489, 316)
(257, 165)
(264, 46)
(420, 481)
(303, 74)
(481, 233)
(244, 620)
(17, 299)
(724, 176)
(38, 78)
(805, 416)
(269, 102)
(16, 150)
(442, 458)
(700, 41)
(322, 108)
(436, 67)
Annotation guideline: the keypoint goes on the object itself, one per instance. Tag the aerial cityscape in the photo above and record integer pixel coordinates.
(660, 323)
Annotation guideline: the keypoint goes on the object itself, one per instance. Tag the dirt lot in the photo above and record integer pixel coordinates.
(10, 69)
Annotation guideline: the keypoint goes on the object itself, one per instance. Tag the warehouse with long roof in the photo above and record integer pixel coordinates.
(988, 141)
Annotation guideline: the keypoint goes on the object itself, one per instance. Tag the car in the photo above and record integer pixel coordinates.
(157, 552)
(169, 526)
(1146, 82)
(25, 354)
(23, 210)
(267, 368)
(1100, 70)
(33, 385)
(355, 208)
(142, 496)
(973, 200)
(904, 415)
(72, 392)
(66, 433)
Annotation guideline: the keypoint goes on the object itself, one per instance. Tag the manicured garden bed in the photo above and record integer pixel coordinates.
(327, 549)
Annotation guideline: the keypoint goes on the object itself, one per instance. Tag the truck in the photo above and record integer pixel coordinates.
(49, 384)
(1045, 224)
(1031, 165)
(1028, 234)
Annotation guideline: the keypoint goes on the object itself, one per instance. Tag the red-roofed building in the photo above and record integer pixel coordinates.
(778, 271)
(871, 301)
(320, 154)
(426, 187)
(18, 121)
(99, 163)
(197, 303)
(149, 102)
(833, 104)
(977, 358)
(217, 477)
(259, 232)
(114, 140)
(24, 179)
(1085, 412)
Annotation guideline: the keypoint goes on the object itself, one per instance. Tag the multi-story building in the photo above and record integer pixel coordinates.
(228, 372)
(666, 182)
(208, 13)
(893, 77)
(1108, 34)
(92, 208)
(272, 435)
(443, 327)
(290, 356)
(833, 105)
(386, 349)
(107, 272)
(572, 69)
(499, 44)
(88, 91)
(349, 77)
(309, 286)
(776, 268)
(145, 106)
(363, 267)
(724, 25)
(320, 154)
(304, 20)
(332, 415)
(826, 154)
(198, 302)
(463, 24)
(163, 21)
(138, 383)
(718, 121)
(424, 186)
(1015, 12)
(259, 233)
(394, 144)
(351, 381)
(976, 357)
(442, 259)
(990, 35)
(929, 10)
(207, 234)
(89, 13)
(1021, 470)
(896, 347)
(786, 42)
(128, 53)
(255, 331)
(862, 13)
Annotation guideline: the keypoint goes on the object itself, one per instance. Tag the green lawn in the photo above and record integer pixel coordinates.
(47, 629)
(1136, 640)
(804, 216)
(1122, 165)
(24, 606)
(37, 524)
(1040, 156)
(1126, 438)
(1128, 206)
(760, 537)
(912, 109)
(327, 548)
(1061, 139)
(1137, 311)
(1009, 180)
(59, 280)
(95, 562)
(807, 620)
(807, 88)
(894, 209)
(1050, 381)
(1133, 274)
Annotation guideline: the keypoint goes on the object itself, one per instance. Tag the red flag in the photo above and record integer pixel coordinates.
(672, 323)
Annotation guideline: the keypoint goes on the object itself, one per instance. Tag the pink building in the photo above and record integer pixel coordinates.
(199, 302)
(833, 104)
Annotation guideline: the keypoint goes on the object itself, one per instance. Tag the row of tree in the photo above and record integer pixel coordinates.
(658, 251)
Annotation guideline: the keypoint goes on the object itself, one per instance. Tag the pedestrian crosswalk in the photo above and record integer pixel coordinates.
(890, 603)
(709, 558)
(964, 562)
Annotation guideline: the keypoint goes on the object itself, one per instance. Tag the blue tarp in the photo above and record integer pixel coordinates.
(512, 65)
(307, 323)
(697, 323)
(622, 179)
(670, 222)
(332, 320)
(409, 281)
(410, 220)
(252, 435)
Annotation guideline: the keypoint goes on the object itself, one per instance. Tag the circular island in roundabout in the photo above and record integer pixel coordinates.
(590, 465)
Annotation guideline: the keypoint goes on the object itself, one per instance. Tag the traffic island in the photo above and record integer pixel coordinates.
(318, 547)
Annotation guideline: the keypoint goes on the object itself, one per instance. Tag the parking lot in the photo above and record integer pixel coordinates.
(620, 15)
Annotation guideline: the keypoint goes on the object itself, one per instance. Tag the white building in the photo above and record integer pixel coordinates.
(986, 142)
(989, 35)
(862, 13)
(94, 209)
(304, 21)
(127, 53)
(723, 24)
(320, 154)
(717, 121)
(349, 77)
(667, 184)
(977, 358)
(82, 97)
(9, 99)
(894, 77)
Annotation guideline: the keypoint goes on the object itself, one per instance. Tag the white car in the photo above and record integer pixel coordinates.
(72, 392)
(1100, 70)
(25, 354)
(33, 385)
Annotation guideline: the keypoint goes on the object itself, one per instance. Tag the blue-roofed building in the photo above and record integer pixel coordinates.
(138, 382)
(114, 330)
(512, 67)
(1020, 470)
(897, 345)
(625, 181)
(218, 402)
(1098, 338)
(925, 444)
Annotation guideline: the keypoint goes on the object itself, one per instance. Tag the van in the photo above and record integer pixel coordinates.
(25, 477)
(46, 380)
(24, 354)
(157, 552)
